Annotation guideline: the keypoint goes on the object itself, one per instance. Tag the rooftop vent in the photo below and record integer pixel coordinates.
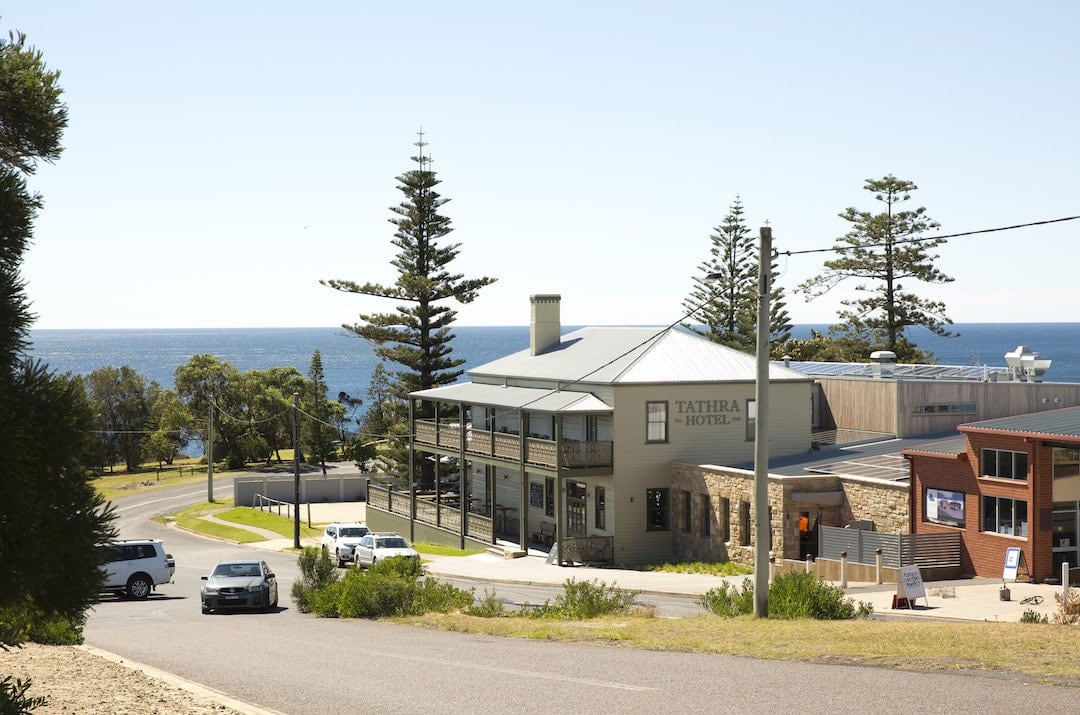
(884, 363)
(1025, 365)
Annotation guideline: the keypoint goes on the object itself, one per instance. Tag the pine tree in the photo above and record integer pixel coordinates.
(317, 429)
(885, 249)
(726, 303)
(417, 335)
(51, 517)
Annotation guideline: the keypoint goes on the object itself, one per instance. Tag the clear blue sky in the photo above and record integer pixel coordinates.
(222, 157)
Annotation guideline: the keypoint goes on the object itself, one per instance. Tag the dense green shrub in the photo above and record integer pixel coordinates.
(586, 599)
(391, 587)
(400, 566)
(26, 622)
(792, 595)
(317, 571)
(729, 600)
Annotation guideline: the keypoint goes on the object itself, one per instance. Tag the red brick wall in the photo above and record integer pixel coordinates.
(983, 553)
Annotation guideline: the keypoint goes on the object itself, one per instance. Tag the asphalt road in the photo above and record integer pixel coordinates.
(295, 663)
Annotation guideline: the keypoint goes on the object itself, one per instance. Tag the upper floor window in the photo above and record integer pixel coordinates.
(1004, 463)
(656, 417)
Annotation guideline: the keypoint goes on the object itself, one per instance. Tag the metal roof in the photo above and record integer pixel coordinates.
(902, 371)
(611, 356)
(1064, 422)
(542, 400)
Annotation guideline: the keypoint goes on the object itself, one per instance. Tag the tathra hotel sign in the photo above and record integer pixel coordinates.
(707, 413)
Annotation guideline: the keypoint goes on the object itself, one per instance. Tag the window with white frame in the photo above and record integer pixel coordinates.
(656, 417)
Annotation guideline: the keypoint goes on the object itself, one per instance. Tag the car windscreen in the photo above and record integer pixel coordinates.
(236, 570)
(354, 531)
(393, 543)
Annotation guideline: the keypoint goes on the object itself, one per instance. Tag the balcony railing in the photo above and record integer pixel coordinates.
(508, 446)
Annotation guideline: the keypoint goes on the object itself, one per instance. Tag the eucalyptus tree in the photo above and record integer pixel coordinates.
(206, 382)
(416, 334)
(882, 251)
(120, 399)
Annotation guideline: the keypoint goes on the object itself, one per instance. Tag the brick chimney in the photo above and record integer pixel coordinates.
(544, 325)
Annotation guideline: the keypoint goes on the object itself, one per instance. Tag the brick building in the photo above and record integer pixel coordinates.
(1009, 482)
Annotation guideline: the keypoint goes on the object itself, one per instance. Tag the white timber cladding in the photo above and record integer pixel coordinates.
(706, 425)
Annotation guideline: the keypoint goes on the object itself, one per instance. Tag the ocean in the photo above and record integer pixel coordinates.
(348, 361)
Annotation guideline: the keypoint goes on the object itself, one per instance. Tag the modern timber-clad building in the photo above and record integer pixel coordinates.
(571, 441)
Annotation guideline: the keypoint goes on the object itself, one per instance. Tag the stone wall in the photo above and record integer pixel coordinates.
(721, 528)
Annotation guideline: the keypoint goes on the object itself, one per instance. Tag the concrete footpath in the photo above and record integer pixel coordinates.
(976, 599)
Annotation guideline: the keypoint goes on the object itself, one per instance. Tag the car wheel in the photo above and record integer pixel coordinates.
(139, 587)
(340, 563)
(267, 606)
(205, 610)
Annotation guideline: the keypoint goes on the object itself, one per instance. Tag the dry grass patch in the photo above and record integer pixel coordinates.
(1043, 652)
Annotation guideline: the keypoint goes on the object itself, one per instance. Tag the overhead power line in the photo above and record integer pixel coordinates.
(921, 239)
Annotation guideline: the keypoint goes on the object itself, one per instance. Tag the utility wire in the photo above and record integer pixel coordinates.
(922, 239)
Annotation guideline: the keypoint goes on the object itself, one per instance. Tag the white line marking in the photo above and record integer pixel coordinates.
(533, 674)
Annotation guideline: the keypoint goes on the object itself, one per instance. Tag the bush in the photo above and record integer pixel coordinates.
(728, 600)
(586, 599)
(792, 595)
(1068, 612)
(317, 571)
(389, 588)
(1033, 616)
(490, 606)
(13, 697)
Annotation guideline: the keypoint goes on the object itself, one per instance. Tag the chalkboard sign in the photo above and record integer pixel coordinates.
(910, 585)
(536, 494)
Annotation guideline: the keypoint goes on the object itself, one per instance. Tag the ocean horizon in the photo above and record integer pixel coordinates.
(348, 361)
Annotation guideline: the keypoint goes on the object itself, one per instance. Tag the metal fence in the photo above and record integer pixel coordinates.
(923, 550)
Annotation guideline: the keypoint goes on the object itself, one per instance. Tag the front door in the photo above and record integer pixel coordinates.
(575, 509)
(1065, 546)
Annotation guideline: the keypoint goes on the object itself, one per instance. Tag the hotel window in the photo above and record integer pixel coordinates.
(549, 496)
(656, 422)
(1004, 516)
(1066, 462)
(656, 509)
(706, 515)
(1004, 464)
(686, 512)
(751, 419)
(601, 508)
(725, 519)
(744, 523)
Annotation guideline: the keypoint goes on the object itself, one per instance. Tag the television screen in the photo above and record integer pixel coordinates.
(944, 507)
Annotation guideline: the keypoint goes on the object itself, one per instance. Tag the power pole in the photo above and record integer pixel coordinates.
(761, 431)
(210, 456)
(296, 468)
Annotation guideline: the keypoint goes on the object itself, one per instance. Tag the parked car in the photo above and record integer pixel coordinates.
(240, 584)
(375, 547)
(135, 567)
(341, 538)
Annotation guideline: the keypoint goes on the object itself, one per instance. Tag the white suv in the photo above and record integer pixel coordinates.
(341, 538)
(134, 567)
